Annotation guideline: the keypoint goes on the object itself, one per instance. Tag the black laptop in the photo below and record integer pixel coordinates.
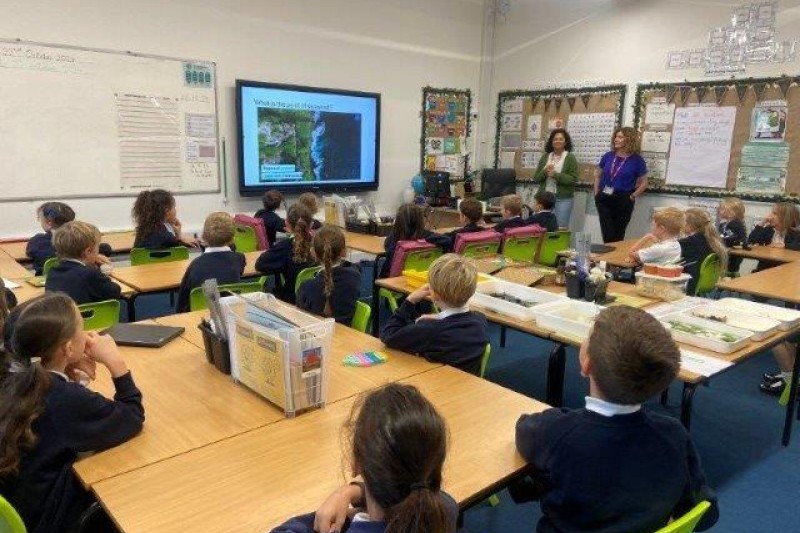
(143, 335)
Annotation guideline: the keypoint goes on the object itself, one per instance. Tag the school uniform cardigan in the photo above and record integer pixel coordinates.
(508, 223)
(733, 233)
(279, 259)
(458, 339)
(272, 224)
(469, 227)
(84, 284)
(565, 180)
(390, 243)
(346, 289)
(40, 249)
(628, 472)
(221, 264)
(46, 493)
(159, 240)
(764, 234)
(694, 249)
(546, 219)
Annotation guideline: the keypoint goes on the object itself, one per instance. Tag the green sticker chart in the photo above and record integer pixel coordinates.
(755, 121)
(525, 119)
(445, 128)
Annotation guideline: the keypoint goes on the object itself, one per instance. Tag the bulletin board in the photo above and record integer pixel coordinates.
(755, 122)
(445, 128)
(525, 118)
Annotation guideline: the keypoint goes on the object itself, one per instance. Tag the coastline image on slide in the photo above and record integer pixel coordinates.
(299, 145)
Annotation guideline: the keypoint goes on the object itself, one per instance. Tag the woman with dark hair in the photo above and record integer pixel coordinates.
(557, 173)
(621, 177)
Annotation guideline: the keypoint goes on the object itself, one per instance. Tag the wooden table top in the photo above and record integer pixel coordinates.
(767, 253)
(370, 244)
(164, 276)
(188, 404)
(619, 256)
(26, 291)
(10, 268)
(263, 477)
(781, 283)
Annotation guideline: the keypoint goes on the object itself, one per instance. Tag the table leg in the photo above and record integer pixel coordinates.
(686, 404)
(502, 336)
(792, 405)
(555, 375)
(376, 311)
(665, 397)
(131, 303)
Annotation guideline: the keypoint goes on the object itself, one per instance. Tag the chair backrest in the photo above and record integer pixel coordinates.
(49, 264)
(10, 520)
(709, 274)
(100, 315)
(476, 243)
(784, 399)
(487, 352)
(197, 300)
(258, 227)
(686, 523)
(552, 243)
(362, 317)
(305, 275)
(522, 243)
(143, 256)
(413, 255)
(244, 239)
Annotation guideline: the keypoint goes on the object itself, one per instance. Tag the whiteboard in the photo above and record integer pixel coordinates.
(80, 123)
(700, 150)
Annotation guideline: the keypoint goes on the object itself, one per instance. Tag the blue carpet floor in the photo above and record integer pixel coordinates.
(736, 428)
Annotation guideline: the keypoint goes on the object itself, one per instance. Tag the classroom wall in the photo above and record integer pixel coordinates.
(593, 42)
(394, 47)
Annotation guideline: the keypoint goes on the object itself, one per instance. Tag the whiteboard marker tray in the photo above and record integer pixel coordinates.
(512, 299)
(707, 334)
(789, 318)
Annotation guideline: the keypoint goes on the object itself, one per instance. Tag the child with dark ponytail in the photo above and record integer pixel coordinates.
(334, 292)
(156, 218)
(399, 443)
(47, 418)
(289, 256)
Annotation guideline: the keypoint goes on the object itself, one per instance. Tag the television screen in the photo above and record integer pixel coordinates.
(297, 139)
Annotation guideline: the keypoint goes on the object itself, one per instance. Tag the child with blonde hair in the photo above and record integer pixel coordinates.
(731, 228)
(511, 210)
(334, 292)
(701, 240)
(661, 244)
(311, 202)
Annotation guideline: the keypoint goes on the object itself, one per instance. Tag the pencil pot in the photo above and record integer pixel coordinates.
(595, 291)
(575, 286)
(217, 350)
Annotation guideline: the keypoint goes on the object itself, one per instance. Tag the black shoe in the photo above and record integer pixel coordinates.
(772, 377)
(773, 389)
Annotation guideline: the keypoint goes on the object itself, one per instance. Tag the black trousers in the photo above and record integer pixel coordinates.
(615, 212)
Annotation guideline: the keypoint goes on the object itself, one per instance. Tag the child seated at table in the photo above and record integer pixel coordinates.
(455, 336)
(273, 223)
(311, 202)
(156, 218)
(544, 202)
(780, 229)
(511, 210)
(470, 216)
(334, 292)
(217, 261)
(51, 215)
(613, 466)
(78, 271)
(731, 228)
(409, 225)
(289, 256)
(661, 244)
(49, 418)
(699, 241)
(399, 444)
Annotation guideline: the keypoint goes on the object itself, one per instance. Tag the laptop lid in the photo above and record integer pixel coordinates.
(144, 335)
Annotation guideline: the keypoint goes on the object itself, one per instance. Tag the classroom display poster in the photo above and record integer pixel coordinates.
(445, 128)
(763, 167)
(768, 122)
(591, 135)
(700, 149)
(260, 362)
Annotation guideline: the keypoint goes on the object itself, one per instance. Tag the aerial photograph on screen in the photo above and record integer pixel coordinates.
(300, 145)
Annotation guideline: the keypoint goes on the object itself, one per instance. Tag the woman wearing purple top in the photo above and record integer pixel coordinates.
(620, 178)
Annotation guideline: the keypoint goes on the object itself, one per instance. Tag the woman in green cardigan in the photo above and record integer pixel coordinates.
(557, 172)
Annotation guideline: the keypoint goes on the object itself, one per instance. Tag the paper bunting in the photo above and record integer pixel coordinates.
(558, 102)
(759, 88)
(547, 101)
(671, 90)
(741, 91)
(571, 103)
(784, 84)
(685, 90)
(585, 99)
(719, 93)
(701, 93)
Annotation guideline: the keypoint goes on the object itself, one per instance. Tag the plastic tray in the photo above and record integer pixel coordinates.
(660, 287)
(417, 278)
(482, 298)
(714, 345)
(789, 318)
(571, 318)
(761, 327)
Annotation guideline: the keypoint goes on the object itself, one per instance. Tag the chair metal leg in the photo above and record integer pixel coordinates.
(686, 404)
(130, 302)
(555, 375)
(502, 336)
(665, 397)
(792, 405)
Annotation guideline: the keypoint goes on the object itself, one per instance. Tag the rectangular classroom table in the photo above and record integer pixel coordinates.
(557, 357)
(10, 268)
(252, 482)
(362, 242)
(26, 291)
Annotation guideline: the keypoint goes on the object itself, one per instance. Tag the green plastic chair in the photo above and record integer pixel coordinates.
(198, 302)
(709, 275)
(305, 275)
(245, 240)
(481, 249)
(9, 518)
(100, 315)
(49, 264)
(521, 248)
(143, 256)
(784, 399)
(419, 260)
(686, 523)
(552, 243)
(362, 317)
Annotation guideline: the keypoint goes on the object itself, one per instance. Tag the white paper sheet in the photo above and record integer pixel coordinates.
(507, 159)
(701, 146)
(10, 284)
(702, 364)
(656, 141)
(660, 113)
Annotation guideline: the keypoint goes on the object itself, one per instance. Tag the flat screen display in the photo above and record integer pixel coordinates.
(295, 138)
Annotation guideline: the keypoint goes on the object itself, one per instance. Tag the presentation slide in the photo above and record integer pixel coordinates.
(305, 138)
